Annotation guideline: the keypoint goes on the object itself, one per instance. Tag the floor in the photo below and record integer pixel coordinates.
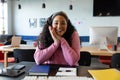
(95, 63)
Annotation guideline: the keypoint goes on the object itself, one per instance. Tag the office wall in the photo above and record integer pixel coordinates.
(81, 15)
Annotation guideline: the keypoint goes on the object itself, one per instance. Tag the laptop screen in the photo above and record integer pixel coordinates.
(16, 41)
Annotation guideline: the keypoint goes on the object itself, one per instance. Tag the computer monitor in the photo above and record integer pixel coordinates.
(103, 36)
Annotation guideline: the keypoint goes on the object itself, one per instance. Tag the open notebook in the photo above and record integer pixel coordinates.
(15, 42)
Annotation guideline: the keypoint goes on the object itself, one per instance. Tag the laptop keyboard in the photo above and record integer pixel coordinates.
(30, 78)
(55, 78)
(70, 78)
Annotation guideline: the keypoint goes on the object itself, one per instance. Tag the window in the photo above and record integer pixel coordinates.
(3, 17)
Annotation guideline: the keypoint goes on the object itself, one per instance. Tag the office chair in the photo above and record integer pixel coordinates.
(115, 61)
(105, 59)
(24, 55)
(85, 58)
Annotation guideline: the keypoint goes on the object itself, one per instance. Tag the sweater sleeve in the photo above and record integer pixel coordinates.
(71, 53)
(43, 55)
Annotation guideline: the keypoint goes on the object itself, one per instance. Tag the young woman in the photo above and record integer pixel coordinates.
(59, 42)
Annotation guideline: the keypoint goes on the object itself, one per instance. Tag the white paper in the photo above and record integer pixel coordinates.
(66, 71)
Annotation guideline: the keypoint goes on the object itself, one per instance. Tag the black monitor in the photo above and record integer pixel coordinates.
(106, 8)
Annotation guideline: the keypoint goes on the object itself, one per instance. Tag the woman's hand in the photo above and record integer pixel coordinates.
(54, 35)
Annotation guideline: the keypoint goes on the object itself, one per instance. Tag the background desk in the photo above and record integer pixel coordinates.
(5, 49)
(96, 52)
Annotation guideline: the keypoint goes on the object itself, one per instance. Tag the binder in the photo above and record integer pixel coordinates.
(105, 74)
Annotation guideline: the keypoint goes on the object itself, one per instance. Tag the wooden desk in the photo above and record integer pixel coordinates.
(6, 49)
(96, 52)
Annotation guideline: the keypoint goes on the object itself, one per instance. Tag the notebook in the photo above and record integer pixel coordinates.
(15, 41)
(39, 70)
(105, 74)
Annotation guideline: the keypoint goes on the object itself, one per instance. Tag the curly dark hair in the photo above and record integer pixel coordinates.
(45, 37)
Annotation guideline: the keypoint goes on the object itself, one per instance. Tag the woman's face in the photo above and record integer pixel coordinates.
(60, 25)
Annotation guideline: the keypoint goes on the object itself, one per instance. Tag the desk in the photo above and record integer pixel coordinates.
(82, 71)
(96, 52)
(6, 49)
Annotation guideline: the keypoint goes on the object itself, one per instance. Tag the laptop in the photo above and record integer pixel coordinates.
(15, 42)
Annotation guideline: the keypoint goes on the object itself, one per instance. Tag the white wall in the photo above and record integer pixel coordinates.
(82, 13)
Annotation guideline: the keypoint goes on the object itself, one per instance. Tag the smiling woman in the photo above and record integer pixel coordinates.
(59, 42)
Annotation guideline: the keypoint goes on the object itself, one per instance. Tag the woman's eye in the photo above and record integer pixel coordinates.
(55, 23)
(63, 23)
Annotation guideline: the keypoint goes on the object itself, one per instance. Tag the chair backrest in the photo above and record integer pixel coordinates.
(85, 58)
(24, 55)
(115, 61)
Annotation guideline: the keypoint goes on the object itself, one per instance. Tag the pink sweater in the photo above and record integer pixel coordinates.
(60, 53)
